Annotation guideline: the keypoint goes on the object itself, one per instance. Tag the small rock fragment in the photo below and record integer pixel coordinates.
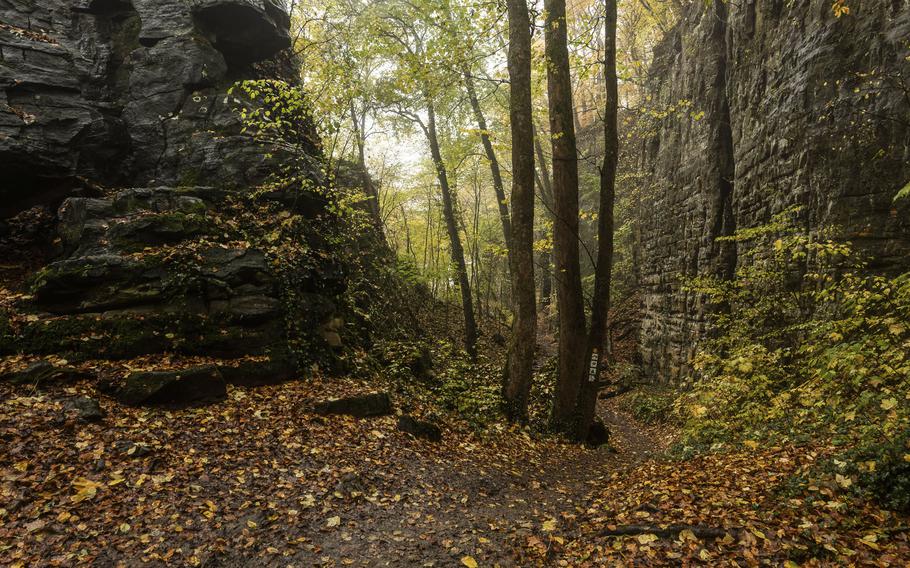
(360, 406)
(419, 428)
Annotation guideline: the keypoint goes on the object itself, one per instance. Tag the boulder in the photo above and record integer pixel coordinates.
(257, 373)
(42, 372)
(331, 333)
(598, 434)
(84, 408)
(419, 428)
(128, 448)
(421, 364)
(360, 406)
(180, 387)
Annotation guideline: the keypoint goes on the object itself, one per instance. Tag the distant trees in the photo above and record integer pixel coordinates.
(434, 68)
(415, 45)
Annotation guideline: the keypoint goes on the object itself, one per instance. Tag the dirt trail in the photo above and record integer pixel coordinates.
(495, 508)
(487, 509)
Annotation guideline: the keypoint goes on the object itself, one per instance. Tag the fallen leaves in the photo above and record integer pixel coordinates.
(299, 490)
(85, 489)
(647, 538)
(737, 489)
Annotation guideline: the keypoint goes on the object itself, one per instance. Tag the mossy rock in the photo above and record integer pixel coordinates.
(98, 283)
(155, 230)
(173, 387)
(122, 336)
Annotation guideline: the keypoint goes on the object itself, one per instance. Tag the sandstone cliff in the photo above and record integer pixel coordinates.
(127, 92)
(763, 105)
(116, 116)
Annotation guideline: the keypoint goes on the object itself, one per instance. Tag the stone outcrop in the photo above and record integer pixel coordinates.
(129, 93)
(763, 106)
(184, 386)
(97, 95)
(145, 271)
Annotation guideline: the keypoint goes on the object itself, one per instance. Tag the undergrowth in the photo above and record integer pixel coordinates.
(808, 347)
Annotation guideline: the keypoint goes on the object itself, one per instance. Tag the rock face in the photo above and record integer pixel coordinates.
(103, 94)
(129, 93)
(770, 104)
(144, 271)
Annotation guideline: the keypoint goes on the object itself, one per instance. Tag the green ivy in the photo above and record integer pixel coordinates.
(807, 345)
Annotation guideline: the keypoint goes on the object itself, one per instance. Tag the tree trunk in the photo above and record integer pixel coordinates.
(368, 188)
(546, 194)
(595, 356)
(520, 366)
(448, 210)
(565, 225)
(498, 187)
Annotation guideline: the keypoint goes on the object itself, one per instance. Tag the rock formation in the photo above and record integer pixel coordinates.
(128, 93)
(769, 104)
(117, 116)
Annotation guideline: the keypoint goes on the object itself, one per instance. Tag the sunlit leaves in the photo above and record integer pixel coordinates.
(840, 8)
(85, 489)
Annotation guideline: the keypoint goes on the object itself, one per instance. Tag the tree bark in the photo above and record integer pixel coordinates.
(595, 357)
(498, 187)
(520, 365)
(457, 251)
(569, 296)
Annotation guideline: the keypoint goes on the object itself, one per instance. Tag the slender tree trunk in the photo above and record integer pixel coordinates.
(498, 187)
(546, 194)
(368, 187)
(448, 210)
(476, 275)
(520, 366)
(595, 356)
(565, 226)
(546, 281)
(426, 234)
(407, 234)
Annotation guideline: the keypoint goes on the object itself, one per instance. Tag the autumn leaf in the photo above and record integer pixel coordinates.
(85, 489)
(333, 521)
(469, 561)
(889, 403)
(647, 538)
(549, 525)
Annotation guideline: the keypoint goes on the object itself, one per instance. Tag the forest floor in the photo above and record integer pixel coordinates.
(260, 480)
(257, 480)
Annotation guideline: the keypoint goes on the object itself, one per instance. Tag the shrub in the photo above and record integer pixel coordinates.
(806, 345)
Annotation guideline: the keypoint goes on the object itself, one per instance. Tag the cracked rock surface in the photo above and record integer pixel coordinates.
(769, 105)
(129, 93)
